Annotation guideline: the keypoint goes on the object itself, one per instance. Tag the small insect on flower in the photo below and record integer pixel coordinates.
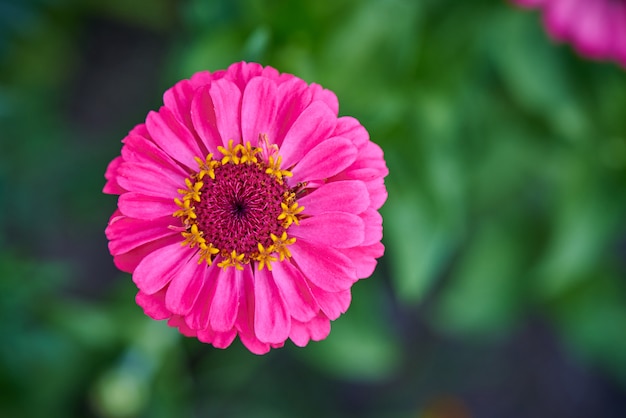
(247, 207)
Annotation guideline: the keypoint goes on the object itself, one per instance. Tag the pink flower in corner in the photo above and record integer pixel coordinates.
(596, 28)
(247, 207)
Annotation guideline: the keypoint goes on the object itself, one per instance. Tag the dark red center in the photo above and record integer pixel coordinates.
(240, 208)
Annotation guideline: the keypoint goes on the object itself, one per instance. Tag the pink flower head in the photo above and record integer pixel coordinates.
(247, 207)
(596, 28)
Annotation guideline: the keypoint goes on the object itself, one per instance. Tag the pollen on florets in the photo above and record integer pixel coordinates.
(238, 208)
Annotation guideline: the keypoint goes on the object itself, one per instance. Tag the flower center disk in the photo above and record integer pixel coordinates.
(239, 208)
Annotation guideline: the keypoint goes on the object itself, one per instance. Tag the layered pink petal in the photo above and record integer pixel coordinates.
(173, 137)
(333, 304)
(326, 96)
(138, 149)
(364, 258)
(227, 101)
(335, 229)
(178, 100)
(126, 233)
(218, 339)
(325, 160)
(204, 120)
(373, 222)
(313, 126)
(225, 303)
(377, 192)
(158, 268)
(199, 316)
(245, 316)
(153, 305)
(258, 109)
(349, 196)
(349, 127)
(271, 318)
(128, 261)
(293, 97)
(242, 72)
(150, 180)
(316, 329)
(326, 267)
(183, 290)
(111, 186)
(139, 206)
(177, 321)
(296, 293)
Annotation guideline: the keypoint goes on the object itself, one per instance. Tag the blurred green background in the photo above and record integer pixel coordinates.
(502, 291)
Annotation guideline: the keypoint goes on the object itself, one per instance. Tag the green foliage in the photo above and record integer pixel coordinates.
(507, 158)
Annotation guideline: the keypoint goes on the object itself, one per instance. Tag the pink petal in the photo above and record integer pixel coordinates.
(218, 339)
(293, 97)
(373, 226)
(159, 267)
(592, 33)
(177, 321)
(296, 293)
(326, 96)
(150, 180)
(349, 196)
(242, 72)
(349, 127)
(245, 316)
(271, 319)
(203, 78)
(323, 266)
(199, 316)
(325, 160)
(128, 261)
(335, 229)
(364, 258)
(178, 100)
(173, 137)
(153, 305)
(377, 192)
(139, 130)
(111, 186)
(225, 303)
(184, 289)
(316, 329)
(138, 149)
(559, 16)
(204, 120)
(258, 109)
(126, 233)
(227, 100)
(333, 304)
(139, 206)
(313, 126)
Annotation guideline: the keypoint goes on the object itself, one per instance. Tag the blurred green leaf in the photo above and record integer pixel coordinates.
(361, 345)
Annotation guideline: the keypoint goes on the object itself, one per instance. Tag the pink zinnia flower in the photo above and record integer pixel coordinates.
(596, 28)
(247, 207)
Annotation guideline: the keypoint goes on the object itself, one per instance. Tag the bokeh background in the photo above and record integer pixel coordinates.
(502, 291)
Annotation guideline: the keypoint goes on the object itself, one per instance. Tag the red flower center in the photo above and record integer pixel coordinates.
(240, 208)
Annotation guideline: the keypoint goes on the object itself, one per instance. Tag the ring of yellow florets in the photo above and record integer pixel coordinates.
(268, 249)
